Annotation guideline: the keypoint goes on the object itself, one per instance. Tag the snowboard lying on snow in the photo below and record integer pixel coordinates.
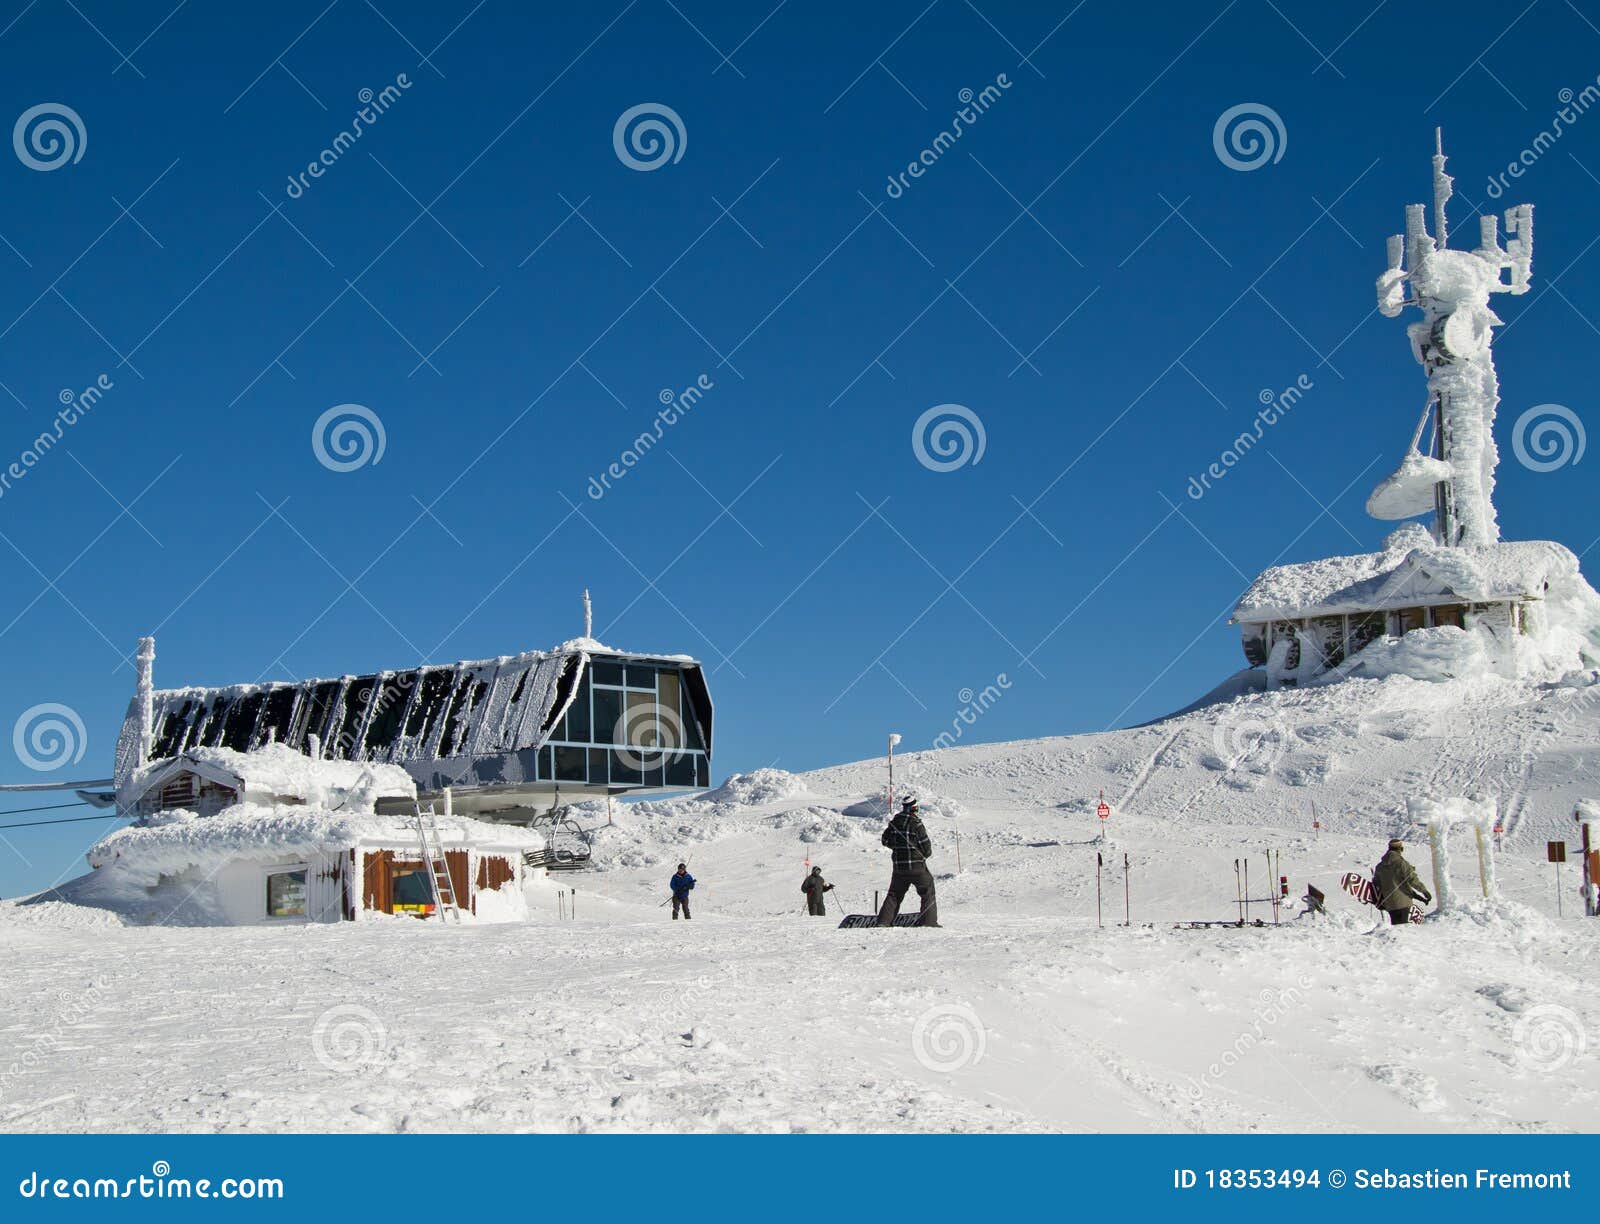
(1361, 889)
(871, 920)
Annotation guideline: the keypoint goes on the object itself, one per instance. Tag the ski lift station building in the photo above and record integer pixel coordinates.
(300, 801)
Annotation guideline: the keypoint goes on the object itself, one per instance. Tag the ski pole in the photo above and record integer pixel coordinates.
(1246, 888)
(1127, 903)
(1099, 862)
(1238, 892)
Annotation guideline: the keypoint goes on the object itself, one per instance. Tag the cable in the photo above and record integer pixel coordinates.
(33, 824)
(48, 807)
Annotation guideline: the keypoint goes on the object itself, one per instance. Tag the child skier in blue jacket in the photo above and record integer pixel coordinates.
(680, 884)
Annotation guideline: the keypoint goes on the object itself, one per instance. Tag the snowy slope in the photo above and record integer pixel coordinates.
(1021, 1014)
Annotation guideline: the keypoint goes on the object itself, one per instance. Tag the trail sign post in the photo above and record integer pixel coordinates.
(1556, 852)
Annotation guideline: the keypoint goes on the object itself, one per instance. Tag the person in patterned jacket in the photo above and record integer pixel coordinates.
(908, 842)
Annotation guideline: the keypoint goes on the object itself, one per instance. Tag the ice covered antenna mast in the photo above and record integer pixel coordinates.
(1454, 478)
(588, 615)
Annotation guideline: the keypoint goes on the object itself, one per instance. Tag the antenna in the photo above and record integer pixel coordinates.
(146, 673)
(1443, 189)
(588, 615)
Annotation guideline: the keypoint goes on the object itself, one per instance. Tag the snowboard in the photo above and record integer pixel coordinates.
(1361, 889)
(852, 921)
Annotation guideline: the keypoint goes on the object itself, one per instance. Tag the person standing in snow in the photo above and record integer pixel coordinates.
(908, 841)
(681, 883)
(1396, 885)
(814, 886)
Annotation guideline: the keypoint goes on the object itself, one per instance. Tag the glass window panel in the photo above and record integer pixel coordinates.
(702, 771)
(578, 723)
(625, 770)
(643, 724)
(680, 769)
(357, 697)
(277, 718)
(389, 709)
(572, 764)
(435, 684)
(607, 714)
(286, 894)
(241, 721)
(606, 672)
(597, 766)
(641, 676)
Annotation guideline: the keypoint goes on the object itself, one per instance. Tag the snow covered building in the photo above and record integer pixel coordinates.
(1474, 602)
(510, 736)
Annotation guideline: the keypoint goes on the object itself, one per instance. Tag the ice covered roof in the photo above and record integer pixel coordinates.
(277, 769)
(1371, 581)
(178, 841)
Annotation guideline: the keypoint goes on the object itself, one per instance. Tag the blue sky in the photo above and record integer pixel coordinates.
(487, 275)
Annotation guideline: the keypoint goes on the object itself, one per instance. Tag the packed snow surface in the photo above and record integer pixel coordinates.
(1023, 1013)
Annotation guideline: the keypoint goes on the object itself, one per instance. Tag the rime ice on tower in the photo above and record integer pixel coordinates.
(1452, 342)
(1454, 600)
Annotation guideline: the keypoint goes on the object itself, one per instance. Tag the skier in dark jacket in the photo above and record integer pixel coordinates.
(1395, 883)
(908, 841)
(814, 886)
(680, 884)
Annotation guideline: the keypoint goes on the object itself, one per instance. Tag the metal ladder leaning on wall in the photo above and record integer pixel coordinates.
(444, 892)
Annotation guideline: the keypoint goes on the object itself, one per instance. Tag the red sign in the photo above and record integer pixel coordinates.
(1103, 811)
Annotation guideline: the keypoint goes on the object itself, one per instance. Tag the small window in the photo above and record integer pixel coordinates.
(641, 676)
(625, 769)
(411, 889)
(572, 764)
(286, 894)
(598, 758)
(607, 716)
(606, 672)
(680, 769)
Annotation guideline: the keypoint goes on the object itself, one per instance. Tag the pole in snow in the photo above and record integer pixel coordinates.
(1099, 863)
(1127, 904)
(894, 738)
(1246, 917)
(1238, 892)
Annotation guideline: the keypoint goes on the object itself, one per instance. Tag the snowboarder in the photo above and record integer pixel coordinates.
(680, 884)
(1395, 882)
(814, 886)
(908, 841)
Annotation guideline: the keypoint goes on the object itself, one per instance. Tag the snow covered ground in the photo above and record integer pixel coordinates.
(1021, 1014)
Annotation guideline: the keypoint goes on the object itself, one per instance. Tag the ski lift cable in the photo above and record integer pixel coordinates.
(32, 824)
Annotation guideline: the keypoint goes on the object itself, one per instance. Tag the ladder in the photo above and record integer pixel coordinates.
(444, 892)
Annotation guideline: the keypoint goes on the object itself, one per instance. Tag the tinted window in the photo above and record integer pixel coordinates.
(598, 758)
(680, 770)
(572, 764)
(702, 771)
(625, 770)
(277, 719)
(317, 707)
(435, 687)
(641, 676)
(578, 723)
(241, 721)
(356, 699)
(607, 714)
(606, 672)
